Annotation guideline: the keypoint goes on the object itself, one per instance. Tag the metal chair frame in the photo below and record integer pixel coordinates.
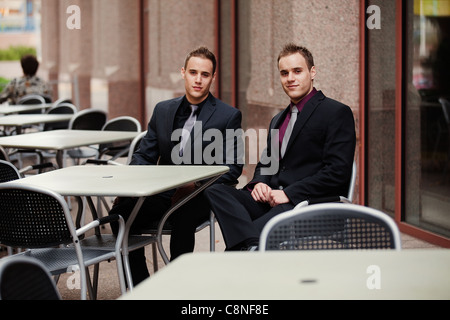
(330, 226)
(40, 220)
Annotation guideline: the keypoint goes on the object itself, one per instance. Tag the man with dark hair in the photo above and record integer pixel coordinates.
(315, 147)
(28, 84)
(163, 147)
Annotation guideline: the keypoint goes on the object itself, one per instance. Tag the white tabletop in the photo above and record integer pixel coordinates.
(123, 181)
(64, 139)
(27, 119)
(296, 275)
(10, 109)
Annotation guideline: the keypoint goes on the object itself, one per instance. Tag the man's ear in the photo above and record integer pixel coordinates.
(313, 72)
(183, 72)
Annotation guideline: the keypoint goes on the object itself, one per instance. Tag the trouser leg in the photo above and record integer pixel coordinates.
(235, 211)
(185, 221)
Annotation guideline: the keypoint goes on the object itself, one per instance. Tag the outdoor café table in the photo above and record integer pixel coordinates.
(21, 120)
(301, 275)
(12, 109)
(125, 181)
(61, 140)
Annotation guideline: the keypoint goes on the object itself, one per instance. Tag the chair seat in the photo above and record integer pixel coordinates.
(167, 229)
(108, 241)
(57, 261)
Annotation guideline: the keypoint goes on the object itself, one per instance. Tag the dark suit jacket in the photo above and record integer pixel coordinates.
(319, 156)
(157, 146)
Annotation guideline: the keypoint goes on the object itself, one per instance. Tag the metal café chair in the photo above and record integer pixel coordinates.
(40, 220)
(26, 278)
(118, 150)
(87, 119)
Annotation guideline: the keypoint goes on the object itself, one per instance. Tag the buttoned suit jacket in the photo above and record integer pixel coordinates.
(159, 147)
(319, 155)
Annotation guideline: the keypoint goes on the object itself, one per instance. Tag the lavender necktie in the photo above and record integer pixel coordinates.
(187, 128)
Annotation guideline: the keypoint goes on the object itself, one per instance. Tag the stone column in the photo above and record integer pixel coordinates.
(116, 52)
(175, 28)
(50, 41)
(76, 49)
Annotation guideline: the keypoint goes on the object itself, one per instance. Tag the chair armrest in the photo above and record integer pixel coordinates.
(323, 200)
(96, 161)
(101, 221)
(37, 167)
(102, 162)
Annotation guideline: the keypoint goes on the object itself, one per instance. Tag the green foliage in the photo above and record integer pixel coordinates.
(14, 53)
(3, 83)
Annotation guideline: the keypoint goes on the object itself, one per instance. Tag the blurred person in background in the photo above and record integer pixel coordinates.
(29, 83)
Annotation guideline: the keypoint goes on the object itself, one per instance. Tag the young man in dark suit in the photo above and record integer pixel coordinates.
(162, 145)
(316, 161)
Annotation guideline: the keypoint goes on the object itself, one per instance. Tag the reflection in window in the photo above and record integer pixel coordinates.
(427, 89)
(381, 88)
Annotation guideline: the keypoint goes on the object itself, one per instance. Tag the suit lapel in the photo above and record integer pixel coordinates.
(303, 116)
(171, 112)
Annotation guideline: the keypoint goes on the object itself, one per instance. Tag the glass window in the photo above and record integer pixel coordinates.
(427, 107)
(380, 113)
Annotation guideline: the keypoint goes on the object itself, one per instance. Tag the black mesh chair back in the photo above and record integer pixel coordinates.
(31, 99)
(25, 278)
(62, 108)
(8, 171)
(88, 119)
(32, 219)
(330, 226)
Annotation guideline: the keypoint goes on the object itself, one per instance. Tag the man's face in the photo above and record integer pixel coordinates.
(198, 78)
(296, 78)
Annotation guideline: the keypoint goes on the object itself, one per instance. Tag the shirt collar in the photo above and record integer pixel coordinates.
(302, 102)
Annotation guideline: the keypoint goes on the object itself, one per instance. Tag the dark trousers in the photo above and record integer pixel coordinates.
(241, 219)
(184, 222)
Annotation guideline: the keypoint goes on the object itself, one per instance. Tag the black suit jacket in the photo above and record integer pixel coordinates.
(159, 146)
(319, 156)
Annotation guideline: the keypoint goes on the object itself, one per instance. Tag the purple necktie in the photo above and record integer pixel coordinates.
(289, 128)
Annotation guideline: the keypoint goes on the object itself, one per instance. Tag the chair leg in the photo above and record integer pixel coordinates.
(95, 281)
(92, 294)
(155, 257)
(212, 233)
